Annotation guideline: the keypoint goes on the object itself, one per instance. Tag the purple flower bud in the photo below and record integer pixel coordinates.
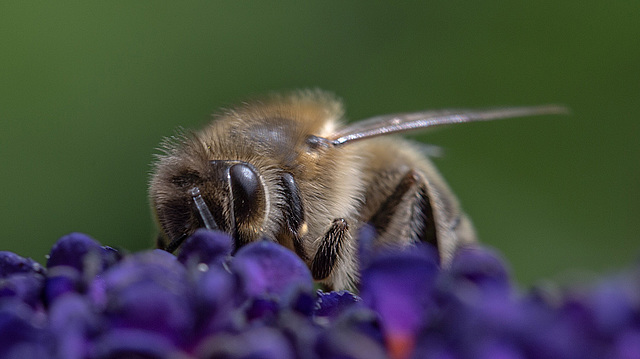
(150, 306)
(25, 286)
(266, 268)
(332, 304)
(496, 349)
(150, 291)
(300, 331)
(133, 343)
(478, 269)
(110, 256)
(214, 301)
(255, 342)
(366, 237)
(97, 292)
(626, 345)
(263, 309)
(11, 263)
(22, 332)
(156, 265)
(73, 322)
(557, 332)
(399, 286)
(81, 252)
(62, 280)
(206, 246)
(303, 302)
(614, 303)
(434, 347)
(345, 342)
(361, 319)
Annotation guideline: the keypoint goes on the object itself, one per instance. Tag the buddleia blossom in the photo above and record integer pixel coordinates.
(93, 302)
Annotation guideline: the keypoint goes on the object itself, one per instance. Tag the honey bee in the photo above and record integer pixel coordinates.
(287, 169)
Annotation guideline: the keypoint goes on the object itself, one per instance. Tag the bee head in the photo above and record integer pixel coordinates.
(226, 195)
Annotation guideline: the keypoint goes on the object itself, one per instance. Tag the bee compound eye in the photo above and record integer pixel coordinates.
(247, 193)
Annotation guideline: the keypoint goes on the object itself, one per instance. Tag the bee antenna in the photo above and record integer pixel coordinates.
(203, 209)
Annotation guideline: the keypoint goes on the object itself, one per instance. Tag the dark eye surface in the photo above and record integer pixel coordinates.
(248, 196)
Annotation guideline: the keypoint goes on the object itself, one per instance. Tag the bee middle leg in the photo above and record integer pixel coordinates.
(330, 249)
(407, 212)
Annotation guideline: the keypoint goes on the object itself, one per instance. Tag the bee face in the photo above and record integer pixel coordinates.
(285, 169)
(228, 195)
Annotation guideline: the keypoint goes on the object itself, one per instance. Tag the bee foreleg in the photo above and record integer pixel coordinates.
(409, 207)
(294, 222)
(330, 249)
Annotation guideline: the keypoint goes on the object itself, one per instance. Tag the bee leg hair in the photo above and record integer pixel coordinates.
(331, 246)
(410, 198)
(294, 225)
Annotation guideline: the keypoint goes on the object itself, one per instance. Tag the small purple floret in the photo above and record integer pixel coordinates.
(480, 268)
(11, 263)
(133, 343)
(23, 332)
(24, 286)
(332, 304)
(206, 246)
(398, 286)
(79, 251)
(62, 280)
(266, 268)
(73, 321)
(255, 342)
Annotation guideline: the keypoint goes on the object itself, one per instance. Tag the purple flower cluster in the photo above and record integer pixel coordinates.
(93, 302)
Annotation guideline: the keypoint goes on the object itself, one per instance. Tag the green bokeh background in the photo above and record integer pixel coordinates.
(88, 89)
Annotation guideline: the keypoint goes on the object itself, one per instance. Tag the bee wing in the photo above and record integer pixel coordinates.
(403, 122)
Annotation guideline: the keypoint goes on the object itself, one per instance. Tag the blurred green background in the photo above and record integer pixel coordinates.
(88, 90)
